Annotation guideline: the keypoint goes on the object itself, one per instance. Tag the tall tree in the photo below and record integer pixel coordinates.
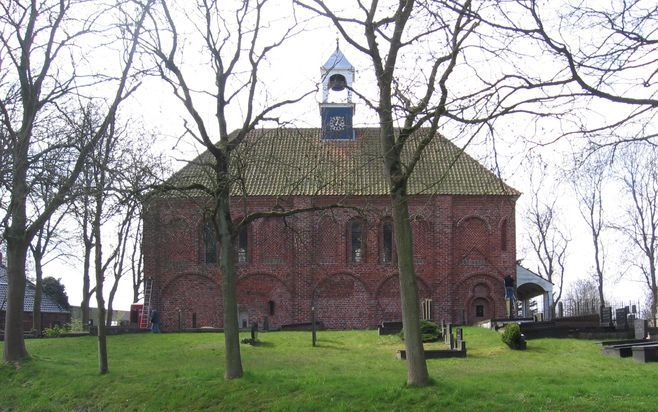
(120, 170)
(238, 39)
(638, 173)
(588, 184)
(432, 68)
(50, 240)
(47, 240)
(549, 242)
(40, 43)
(136, 168)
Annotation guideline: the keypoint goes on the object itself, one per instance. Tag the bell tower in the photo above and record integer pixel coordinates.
(337, 109)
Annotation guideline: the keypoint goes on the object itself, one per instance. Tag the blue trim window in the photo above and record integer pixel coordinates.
(356, 242)
(243, 246)
(210, 255)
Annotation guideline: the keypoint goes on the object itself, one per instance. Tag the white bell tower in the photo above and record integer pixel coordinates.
(337, 109)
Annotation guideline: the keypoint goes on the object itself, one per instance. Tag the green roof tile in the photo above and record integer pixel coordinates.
(287, 161)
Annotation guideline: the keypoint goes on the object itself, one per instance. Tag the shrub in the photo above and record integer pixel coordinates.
(76, 326)
(53, 332)
(512, 336)
(430, 331)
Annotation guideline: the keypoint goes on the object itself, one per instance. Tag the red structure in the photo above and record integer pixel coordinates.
(340, 261)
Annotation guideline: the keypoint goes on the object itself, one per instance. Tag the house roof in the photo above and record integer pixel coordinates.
(48, 305)
(295, 162)
(529, 284)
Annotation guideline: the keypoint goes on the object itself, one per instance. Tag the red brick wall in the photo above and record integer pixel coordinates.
(304, 261)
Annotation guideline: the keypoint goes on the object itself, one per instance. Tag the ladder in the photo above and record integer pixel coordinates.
(146, 309)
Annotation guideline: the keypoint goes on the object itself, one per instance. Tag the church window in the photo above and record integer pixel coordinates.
(210, 243)
(356, 242)
(479, 311)
(503, 236)
(243, 245)
(387, 242)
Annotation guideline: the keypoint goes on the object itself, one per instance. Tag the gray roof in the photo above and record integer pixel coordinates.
(297, 162)
(48, 305)
(337, 61)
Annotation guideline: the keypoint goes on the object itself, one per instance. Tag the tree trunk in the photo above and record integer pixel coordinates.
(654, 304)
(136, 264)
(84, 306)
(98, 264)
(102, 340)
(231, 328)
(18, 244)
(36, 308)
(601, 300)
(599, 270)
(110, 301)
(417, 374)
(14, 347)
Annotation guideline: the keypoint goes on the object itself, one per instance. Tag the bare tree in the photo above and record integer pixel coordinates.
(549, 243)
(136, 168)
(414, 99)
(604, 56)
(638, 173)
(238, 45)
(48, 239)
(588, 184)
(39, 43)
(85, 126)
(582, 298)
(137, 259)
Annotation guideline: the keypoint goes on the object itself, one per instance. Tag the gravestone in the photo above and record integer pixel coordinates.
(314, 337)
(447, 333)
(254, 331)
(460, 345)
(606, 316)
(621, 318)
(640, 328)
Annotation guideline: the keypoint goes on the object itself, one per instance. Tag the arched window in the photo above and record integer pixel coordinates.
(503, 236)
(210, 249)
(357, 252)
(387, 242)
(243, 245)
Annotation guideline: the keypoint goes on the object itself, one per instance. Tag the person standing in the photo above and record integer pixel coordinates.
(155, 321)
(510, 298)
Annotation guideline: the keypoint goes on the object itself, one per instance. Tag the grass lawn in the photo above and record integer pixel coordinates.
(351, 370)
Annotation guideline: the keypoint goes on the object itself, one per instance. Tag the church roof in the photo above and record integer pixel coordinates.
(337, 61)
(297, 162)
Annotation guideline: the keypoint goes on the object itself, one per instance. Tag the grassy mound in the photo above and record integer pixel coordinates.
(351, 370)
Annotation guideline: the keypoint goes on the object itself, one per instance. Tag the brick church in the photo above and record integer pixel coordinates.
(342, 262)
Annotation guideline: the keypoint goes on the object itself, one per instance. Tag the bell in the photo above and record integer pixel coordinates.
(337, 82)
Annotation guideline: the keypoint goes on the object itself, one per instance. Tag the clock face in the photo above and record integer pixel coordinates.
(337, 123)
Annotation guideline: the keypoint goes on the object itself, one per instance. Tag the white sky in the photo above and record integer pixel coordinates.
(296, 67)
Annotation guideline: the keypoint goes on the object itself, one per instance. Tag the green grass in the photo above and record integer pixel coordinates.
(354, 370)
